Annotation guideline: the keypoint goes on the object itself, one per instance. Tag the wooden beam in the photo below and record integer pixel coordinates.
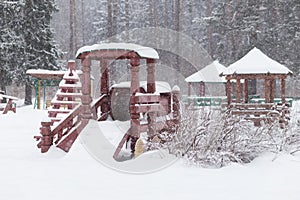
(228, 92)
(151, 76)
(238, 90)
(267, 90)
(272, 90)
(246, 90)
(86, 98)
(104, 76)
(283, 90)
(256, 76)
(202, 89)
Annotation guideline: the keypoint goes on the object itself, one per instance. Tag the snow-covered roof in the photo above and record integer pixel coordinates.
(44, 73)
(143, 52)
(256, 62)
(161, 86)
(209, 74)
(7, 97)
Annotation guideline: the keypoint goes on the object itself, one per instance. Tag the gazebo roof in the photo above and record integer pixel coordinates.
(143, 52)
(209, 74)
(256, 62)
(45, 74)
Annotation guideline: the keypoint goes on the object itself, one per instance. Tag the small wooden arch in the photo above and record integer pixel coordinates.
(106, 52)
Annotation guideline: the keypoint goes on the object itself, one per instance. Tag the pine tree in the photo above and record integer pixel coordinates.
(40, 50)
(11, 40)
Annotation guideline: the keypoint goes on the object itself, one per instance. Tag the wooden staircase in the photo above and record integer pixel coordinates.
(64, 122)
(66, 98)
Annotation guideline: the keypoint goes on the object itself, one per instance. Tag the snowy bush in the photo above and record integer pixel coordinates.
(212, 138)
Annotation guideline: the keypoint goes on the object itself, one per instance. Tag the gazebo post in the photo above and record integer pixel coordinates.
(267, 90)
(228, 91)
(246, 90)
(134, 87)
(189, 88)
(86, 90)
(202, 89)
(272, 90)
(283, 90)
(238, 90)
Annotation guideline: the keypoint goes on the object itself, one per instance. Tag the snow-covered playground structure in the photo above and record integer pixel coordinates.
(74, 95)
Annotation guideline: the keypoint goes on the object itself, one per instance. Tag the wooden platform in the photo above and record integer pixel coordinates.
(258, 112)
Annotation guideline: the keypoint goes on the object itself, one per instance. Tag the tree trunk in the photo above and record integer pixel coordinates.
(2, 87)
(115, 17)
(73, 32)
(109, 18)
(209, 30)
(127, 20)
(28, 94)
(83, 22)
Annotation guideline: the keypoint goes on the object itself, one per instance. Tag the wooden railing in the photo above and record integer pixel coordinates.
(63, 134)
(98, 103)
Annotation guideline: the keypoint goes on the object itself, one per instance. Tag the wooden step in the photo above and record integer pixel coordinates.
(57, 102)
(62, 94)
(55, 119)
(58, 111)
(254, 112)
(75, 77)
(69, 85)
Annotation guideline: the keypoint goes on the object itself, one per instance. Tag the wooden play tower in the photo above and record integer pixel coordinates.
(141, 102)
(148, 102)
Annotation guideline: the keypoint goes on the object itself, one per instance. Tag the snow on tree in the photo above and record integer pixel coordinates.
(40, 51)
(11, 40)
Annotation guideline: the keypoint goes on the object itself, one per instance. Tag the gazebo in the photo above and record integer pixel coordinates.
(42, 79)
(255, 65)
(209, 74)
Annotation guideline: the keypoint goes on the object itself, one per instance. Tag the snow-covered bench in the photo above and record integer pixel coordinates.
(10, 104)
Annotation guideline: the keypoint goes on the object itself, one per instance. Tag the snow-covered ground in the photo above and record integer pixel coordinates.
(25, 173)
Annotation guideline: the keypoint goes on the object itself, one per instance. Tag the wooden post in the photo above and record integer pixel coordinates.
(238, 90)
(134, 75)
(104, 87)
(176, 103)
(246, 91)
(39, 95)
(86, 89)
(267, 90)
(71, 67)
(228, 92)
(47, 138)
(189, 88)
(134, 87)
(151, 88)
(283, 90)
(272, 90)
(202, 89)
